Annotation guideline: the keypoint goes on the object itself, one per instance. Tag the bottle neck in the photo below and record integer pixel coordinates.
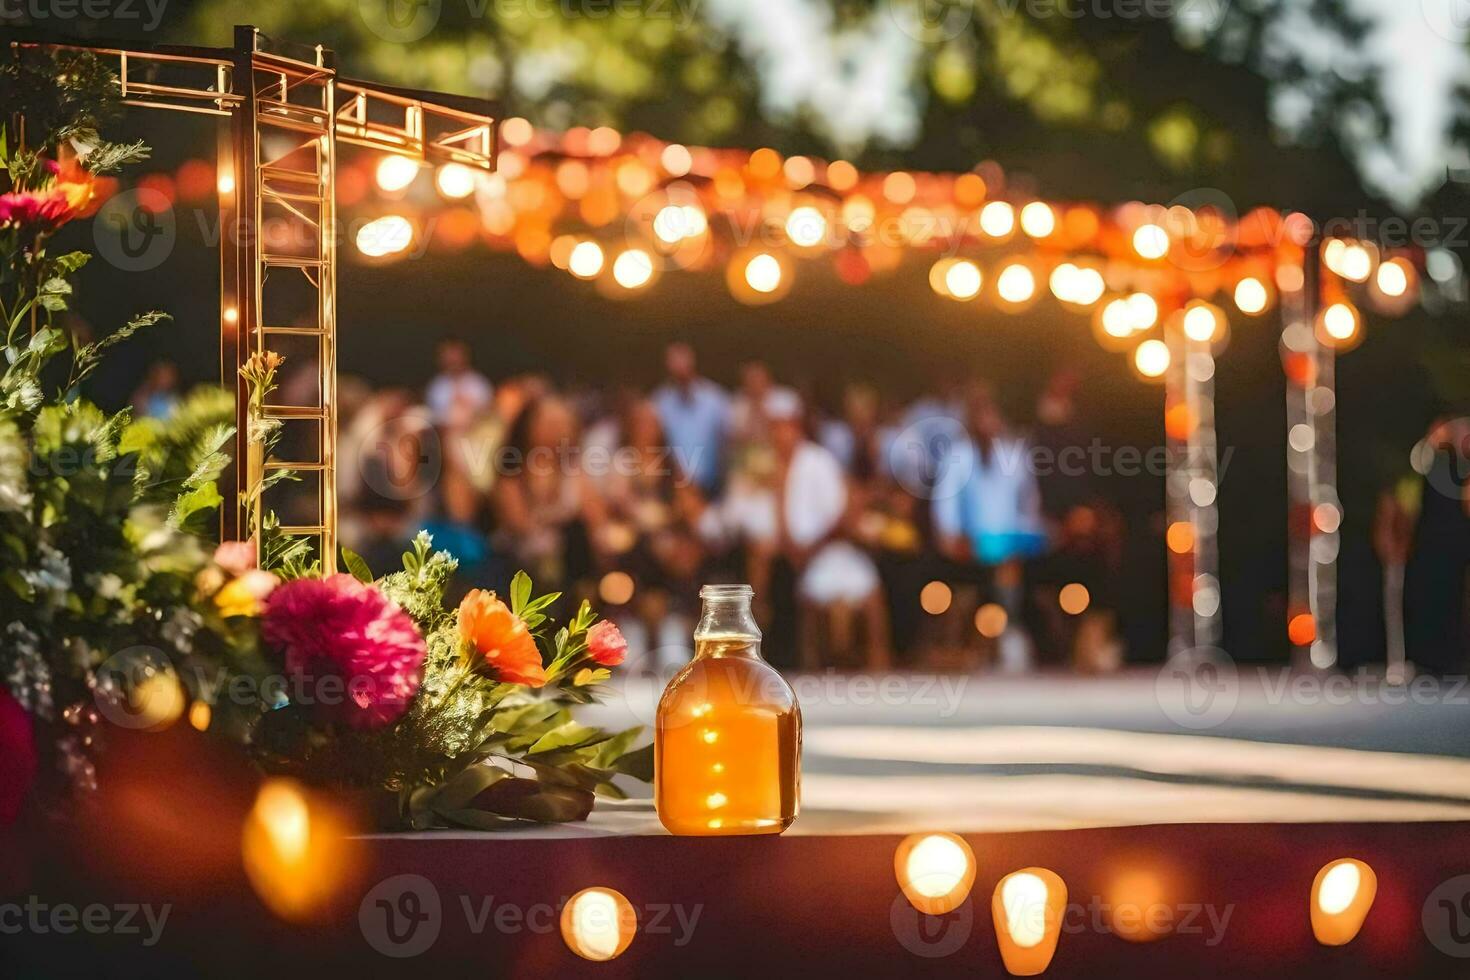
(726, 616)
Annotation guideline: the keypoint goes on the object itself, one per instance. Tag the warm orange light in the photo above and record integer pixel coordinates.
(962, 280)
(935, 871)
(997, 219)
(1180, 537)
(676, 159)
(1151, 358)
(763, 273)
(387, 235)
(1027, 908)
(1339, 324)
(935, 598)
(1302, 629)
(1353, 262)
(1203, 322)
(1394, 277)
(1079, 286)
(1151, 241)
(1251, 296)
(1016, 284)
(1074, 598)
(633, 268)
(395, 173)
(1139, 906)
(598, 924)
(1342, 894)
(455, 181)
(806, 226)
(516, 131)
(297, 851)
(991, 620)
(200, 715)
(616, 588)
(586, 260)
(1038, 220)
(841, 175)
(899, 187)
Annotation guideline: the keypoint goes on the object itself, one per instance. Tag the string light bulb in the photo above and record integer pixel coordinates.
(1151, 358)
(1038, 220)
(806, 226)
(1202, 322)
(1016, 284)
(1251, 296)
(1151, 241)
(1393, 278)
(1339, 323)
(455, 181)
(633, 268)
(962, 280)
(586, 260)
(383, 236)
(763, 273)
(997, 219)
(394, 172)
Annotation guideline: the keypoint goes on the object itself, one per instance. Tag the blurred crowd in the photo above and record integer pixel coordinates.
(875, 534)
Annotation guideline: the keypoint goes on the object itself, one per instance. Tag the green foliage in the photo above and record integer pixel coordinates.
(450, 758)
(95, 508)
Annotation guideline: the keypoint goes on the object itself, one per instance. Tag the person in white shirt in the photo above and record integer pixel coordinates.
(458, 396)
(836, 580)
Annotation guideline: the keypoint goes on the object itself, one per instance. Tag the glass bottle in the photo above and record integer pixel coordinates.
(727, 742)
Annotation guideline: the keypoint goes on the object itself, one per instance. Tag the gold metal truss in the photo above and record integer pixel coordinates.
(285, 111)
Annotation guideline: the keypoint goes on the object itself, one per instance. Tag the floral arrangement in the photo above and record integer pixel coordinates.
(114, 608)
(457, 717)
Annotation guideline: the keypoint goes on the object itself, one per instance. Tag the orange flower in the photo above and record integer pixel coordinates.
(500, 639)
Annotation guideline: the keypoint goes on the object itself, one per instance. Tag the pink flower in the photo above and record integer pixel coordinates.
(45, 212)
(235, 557)
(353, 655)
(17, 757)
(605, 643)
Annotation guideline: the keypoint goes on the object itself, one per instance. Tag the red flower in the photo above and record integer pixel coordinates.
(500, 640)
(351, 651)
(17, 757)
(605, 643)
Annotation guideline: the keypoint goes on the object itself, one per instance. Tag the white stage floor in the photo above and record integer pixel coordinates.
(995, 753)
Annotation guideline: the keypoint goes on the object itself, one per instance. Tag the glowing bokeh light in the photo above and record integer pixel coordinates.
(586, 260)
(394, 173)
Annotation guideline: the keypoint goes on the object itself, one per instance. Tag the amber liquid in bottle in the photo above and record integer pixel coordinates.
(727, 743)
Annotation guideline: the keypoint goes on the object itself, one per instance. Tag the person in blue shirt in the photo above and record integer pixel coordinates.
(695, 415)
